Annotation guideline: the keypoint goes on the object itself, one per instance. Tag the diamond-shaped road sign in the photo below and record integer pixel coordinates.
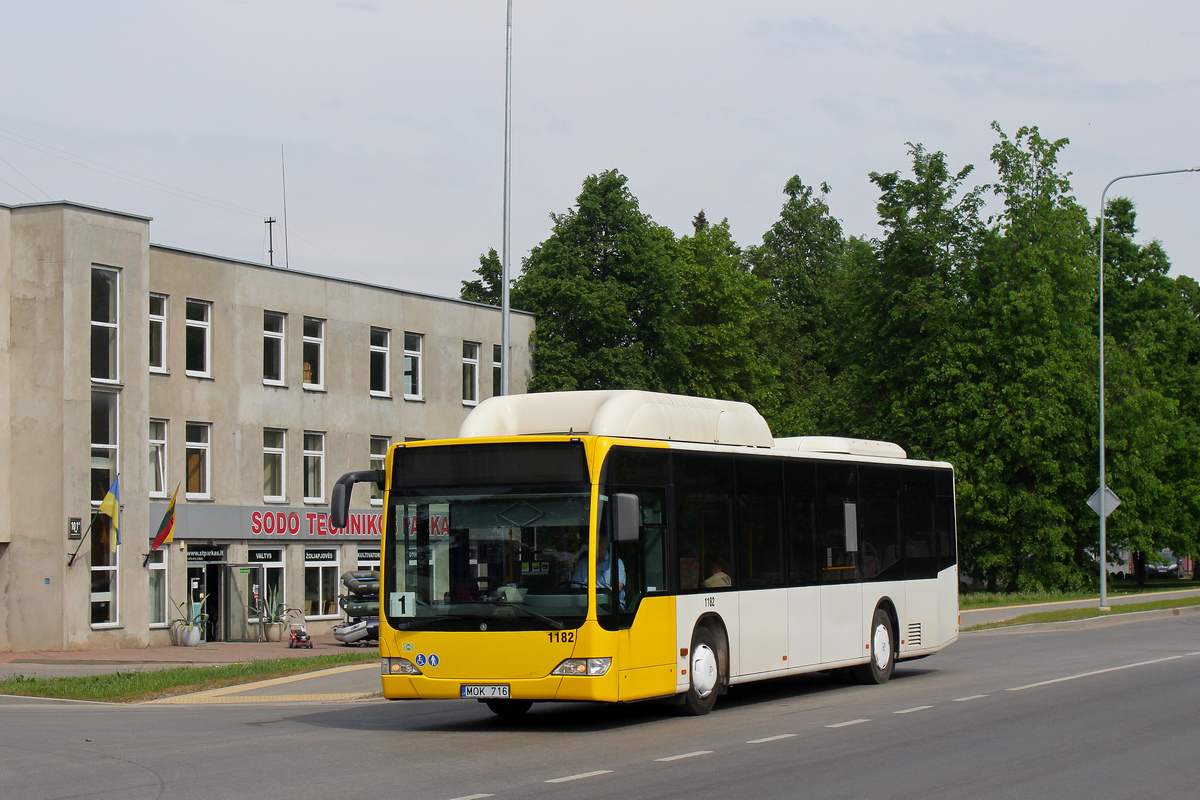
(1111, 501)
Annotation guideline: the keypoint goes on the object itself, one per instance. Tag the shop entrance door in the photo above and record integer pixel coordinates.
(244, 587)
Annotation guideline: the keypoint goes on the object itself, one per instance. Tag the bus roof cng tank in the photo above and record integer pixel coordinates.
(841, 444)
(628, 414)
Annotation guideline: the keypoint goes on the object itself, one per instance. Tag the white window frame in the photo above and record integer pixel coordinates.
(382, 351)
(205, 449)
(159, 321)
(281, 453)
(279, 340)
(319, 457)
(112, 560)
(378, 460)
(158, 457)
(319, 341)
(204, 325)
(470, 373)
(114, 327)
(157, 564)
(324, 568)
(413, 365)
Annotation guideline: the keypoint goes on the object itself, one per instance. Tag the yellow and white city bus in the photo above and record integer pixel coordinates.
(723, 555)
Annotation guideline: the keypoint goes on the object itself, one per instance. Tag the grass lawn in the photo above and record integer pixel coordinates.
(1116, 588)
(136, 687)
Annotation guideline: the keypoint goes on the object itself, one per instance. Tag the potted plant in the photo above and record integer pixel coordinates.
(273, 618)
(185, 629)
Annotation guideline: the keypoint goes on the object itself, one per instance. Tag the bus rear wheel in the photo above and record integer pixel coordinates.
(883, 651)
(704, 674)
(509, 709)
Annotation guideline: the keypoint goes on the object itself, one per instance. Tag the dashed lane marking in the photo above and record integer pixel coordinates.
(474, 796)
(580, 776)
(970, 697)
(911, 710)
(771, 738)
(847, 723)
(686, 755)
(1093, 672)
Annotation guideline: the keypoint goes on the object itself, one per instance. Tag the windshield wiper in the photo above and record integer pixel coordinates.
(553, 623)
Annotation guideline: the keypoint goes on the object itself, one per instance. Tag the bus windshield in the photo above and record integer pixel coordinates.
(482, 561)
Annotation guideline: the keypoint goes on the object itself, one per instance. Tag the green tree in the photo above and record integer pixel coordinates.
(487, 287)
(1152, 350)
(801, 258)
(602, 286)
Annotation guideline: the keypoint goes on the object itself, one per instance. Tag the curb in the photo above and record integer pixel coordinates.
(1090, 622)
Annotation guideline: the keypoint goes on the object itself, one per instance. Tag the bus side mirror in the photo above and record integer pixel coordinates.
(628, 517)
(339, 506)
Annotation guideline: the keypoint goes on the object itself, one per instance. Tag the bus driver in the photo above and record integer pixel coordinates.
(603, 567)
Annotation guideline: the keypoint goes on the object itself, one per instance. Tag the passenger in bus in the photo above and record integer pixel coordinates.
(603, 567)
(718, 577)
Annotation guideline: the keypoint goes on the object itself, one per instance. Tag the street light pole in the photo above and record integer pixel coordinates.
(1102, 509)
(504, 329)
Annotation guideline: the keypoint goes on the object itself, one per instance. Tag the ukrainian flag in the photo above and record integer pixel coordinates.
(111, 505)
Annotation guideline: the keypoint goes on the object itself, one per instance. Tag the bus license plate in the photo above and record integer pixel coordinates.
(484, 692)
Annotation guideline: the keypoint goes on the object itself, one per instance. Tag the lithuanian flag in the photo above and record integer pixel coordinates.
(166, 528)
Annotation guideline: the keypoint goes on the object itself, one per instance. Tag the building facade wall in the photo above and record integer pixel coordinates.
(47, 256)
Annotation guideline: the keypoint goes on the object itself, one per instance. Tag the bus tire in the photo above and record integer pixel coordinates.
(883, 651)
(509, 709)
(704, 674)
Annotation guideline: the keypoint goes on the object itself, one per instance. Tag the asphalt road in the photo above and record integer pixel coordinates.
(1069, 713)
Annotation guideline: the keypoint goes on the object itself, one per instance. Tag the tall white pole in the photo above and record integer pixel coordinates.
(504, 327)
(1103, 510)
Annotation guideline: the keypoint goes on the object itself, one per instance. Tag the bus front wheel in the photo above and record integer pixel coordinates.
(883, 651)
(509, 709)
(704, 674)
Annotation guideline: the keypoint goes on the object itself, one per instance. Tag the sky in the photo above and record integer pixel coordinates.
(376, 129)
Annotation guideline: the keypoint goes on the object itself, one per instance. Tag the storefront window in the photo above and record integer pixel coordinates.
(158, 588)
(320, 582)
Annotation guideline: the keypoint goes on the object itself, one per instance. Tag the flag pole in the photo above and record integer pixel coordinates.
(71, 560)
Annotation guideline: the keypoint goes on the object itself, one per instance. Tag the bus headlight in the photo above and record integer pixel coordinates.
(399, 666)
(583, 666)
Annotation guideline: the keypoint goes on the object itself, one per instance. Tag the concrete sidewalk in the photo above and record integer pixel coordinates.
(53, 663)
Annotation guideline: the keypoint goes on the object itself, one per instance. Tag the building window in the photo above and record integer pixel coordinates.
(158, 333)
(412, 366)
(320, 582)
(196, 447)
(314, 353)
(314, 467)
(104, 324)
(273, 325)
(157, 563)
(380, 347)
(198, 338)
(497, 371)
(158, 458)
(274, 460)
(103, 596)
(379, 448)
(104, 442)
(272, 598)
(470, 373)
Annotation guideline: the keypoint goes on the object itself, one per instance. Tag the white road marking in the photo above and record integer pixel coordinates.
(1089, 674)
(686, 755)
(847, 723)
(972, 697)
(771, 738)
(911, 710)
(474, 796)
(580, 775)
